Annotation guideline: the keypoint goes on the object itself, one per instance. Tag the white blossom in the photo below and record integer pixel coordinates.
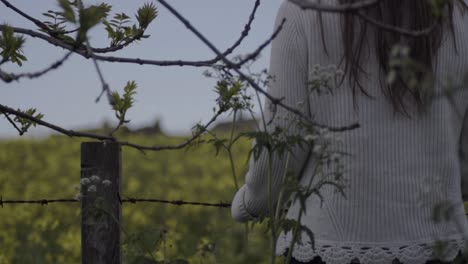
(323, 130)
(106, 183)
(92, 188)
(310, 137)
(85, 181)
(78, 197)
(327, 137)
(95, 178)
(317, 148)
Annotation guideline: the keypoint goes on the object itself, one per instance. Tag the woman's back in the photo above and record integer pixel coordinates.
(399, 169)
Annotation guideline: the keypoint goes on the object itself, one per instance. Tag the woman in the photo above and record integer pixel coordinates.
(403, 165)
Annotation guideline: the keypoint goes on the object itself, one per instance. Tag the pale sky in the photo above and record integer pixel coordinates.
(178, 96)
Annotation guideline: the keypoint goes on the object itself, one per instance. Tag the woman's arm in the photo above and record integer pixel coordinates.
(464, 157)
(289, 68)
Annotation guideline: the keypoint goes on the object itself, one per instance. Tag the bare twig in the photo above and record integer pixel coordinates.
(12, 123)
(118, 47)
(356, 8)
(175, 147)
(119, 125)
(105, 85)
(255, 54)
(399, 30)
(244, 33)
(305, 4)
(28, 17)
(69, 31)
(9, 77)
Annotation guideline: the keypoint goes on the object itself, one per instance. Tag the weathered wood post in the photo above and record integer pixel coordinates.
(100, 204)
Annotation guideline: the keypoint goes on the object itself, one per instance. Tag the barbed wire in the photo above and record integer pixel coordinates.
(129, 200)
(176, 202)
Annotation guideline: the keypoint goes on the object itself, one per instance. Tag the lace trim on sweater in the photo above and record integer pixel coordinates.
(340, 253)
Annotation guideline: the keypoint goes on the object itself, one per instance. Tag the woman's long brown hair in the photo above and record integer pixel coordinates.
(422, 49)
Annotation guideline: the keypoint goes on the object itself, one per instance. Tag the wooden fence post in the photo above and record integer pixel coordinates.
(100, 203)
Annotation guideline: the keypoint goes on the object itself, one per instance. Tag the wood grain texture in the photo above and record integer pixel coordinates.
(101, 212)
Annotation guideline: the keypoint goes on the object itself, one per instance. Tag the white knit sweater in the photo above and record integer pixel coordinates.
(399, 169)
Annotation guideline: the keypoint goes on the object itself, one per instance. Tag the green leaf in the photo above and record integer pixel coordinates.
(48, 15)
(121, 17)
(109, 29)
(25, 123)
(11, 46)
(438, 7)
(68, 12)
(90, 17)
(124, 102)
(145, 14)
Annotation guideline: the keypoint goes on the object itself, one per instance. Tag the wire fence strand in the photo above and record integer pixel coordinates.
(128, 200)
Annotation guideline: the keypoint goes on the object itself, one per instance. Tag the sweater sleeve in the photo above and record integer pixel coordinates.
(464, 157)
(289, 69)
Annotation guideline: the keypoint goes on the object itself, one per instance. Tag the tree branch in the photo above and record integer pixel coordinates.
(12, 123)
(28, 17)
(305, 4)
(7, 110)
(70, 133)
(255, 54)
(399, 30)
(244, 33)
(179, 146)
(356, 9)
(85, 54)
(9, 77)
